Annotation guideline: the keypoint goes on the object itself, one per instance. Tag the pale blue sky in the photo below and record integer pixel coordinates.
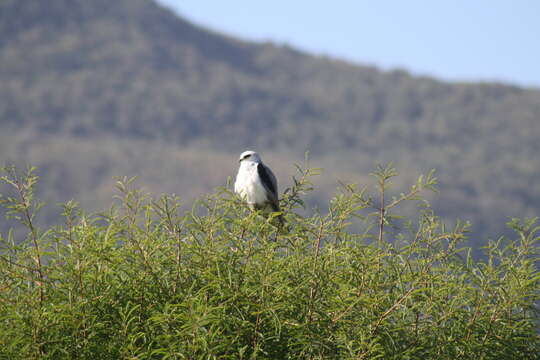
(457, 40)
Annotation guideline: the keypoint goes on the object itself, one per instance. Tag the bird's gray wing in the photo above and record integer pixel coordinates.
(268, 180)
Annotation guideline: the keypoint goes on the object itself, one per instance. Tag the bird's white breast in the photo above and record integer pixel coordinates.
(248, 184)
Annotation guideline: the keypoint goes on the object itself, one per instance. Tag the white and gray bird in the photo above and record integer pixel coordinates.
(256, 183)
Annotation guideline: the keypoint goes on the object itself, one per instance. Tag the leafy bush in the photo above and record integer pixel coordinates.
(144, 281)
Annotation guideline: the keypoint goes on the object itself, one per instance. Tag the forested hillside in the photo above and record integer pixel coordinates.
(91, 89)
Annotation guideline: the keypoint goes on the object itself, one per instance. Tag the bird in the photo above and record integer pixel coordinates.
(256, 184)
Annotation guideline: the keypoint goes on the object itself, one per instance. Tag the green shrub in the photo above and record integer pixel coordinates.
(144, 281)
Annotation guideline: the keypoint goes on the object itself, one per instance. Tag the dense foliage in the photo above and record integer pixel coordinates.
(146, 281)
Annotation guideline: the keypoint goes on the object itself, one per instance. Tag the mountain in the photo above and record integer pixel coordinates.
(96, 88)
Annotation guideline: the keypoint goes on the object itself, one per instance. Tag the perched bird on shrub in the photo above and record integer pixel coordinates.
(256, 183)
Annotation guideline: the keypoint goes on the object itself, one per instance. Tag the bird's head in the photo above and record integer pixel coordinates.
(250, 156)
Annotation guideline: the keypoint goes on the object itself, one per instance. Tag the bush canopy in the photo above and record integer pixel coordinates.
(148, 279)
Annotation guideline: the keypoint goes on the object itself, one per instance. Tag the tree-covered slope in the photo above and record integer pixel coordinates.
(102, 73)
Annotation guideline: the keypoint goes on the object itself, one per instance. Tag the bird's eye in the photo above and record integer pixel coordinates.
(248, 155)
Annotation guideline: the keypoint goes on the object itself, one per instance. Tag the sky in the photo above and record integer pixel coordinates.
(459, 40)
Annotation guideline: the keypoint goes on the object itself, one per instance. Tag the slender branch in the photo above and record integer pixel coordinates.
(382, 213)
(392, 308)
(347, 310)
(20, 187)
(403, 197)
(11, 262)
(254, 338)
(314, 289)
(318, 241)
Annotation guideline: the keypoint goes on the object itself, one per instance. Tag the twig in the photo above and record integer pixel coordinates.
(314, 289)
(33, 231)
(382, 212)
(392, 308)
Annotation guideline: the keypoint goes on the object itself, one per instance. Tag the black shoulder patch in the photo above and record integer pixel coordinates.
(265, 179)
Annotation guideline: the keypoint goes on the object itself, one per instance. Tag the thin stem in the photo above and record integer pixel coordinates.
(382, 211)
(34, 236)
(392, 308)
(314, 289)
